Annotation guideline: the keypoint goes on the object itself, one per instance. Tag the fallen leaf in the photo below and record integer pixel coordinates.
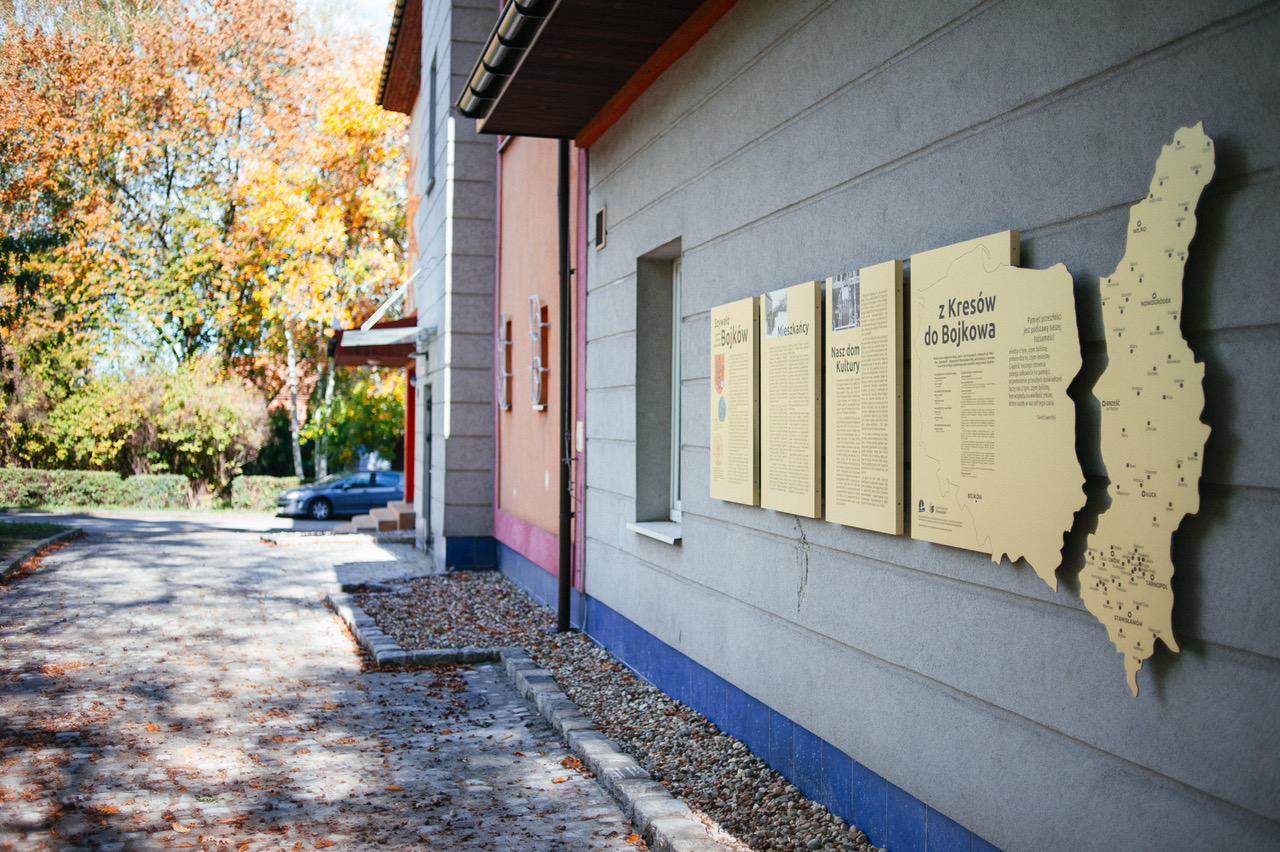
(395, 788)
(180, 828)
(152, 726)
(634, 838)
(323, 844)
(571, 762)
(559, 780)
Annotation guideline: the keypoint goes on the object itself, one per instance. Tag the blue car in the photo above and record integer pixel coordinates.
(351, 493)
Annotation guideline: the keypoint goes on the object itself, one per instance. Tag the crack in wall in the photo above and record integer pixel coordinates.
(802, 552)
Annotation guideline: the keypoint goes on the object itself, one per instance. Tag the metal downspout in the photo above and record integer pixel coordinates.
(566, 402)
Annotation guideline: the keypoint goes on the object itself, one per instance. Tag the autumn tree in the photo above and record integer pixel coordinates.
(366, 415)
(327, 230)
(181, 182)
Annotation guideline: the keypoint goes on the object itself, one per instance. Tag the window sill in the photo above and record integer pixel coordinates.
(664, 531)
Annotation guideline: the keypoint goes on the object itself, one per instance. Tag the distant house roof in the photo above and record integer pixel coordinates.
(571, 68)
(387, 344)
(402, 63)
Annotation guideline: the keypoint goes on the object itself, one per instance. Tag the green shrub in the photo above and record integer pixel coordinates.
(20, 489)
(84, 488)
(27, 489)
(258, 493)
(157, 491)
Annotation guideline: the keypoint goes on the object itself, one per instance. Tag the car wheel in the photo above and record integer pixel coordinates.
(320, 509)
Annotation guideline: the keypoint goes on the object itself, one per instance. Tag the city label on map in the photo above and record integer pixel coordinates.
(1151, 397)
(735, 402)
(993, 349)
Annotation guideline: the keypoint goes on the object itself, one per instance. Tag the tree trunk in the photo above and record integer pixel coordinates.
(324, 411)
(292, 361)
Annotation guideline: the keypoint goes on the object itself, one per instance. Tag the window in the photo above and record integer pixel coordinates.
(504, 362)
(675, 390)
(539, 353)
(658, 375)
(431, 126)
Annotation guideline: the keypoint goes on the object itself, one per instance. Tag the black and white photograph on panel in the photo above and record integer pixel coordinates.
(775, 313)
(845, 302)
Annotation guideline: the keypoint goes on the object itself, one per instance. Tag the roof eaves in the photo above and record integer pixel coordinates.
(389, 56)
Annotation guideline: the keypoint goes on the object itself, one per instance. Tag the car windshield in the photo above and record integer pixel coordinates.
(328, 480)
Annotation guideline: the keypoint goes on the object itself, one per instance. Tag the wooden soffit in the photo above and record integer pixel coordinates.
(402, 63)
(588, 62)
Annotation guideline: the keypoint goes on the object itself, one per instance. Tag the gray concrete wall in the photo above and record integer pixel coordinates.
(800, 139)
(454, 225)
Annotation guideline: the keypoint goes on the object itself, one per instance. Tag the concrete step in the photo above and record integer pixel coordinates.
(405, 518)
(364, 522)
(388, 519)
(344, 529)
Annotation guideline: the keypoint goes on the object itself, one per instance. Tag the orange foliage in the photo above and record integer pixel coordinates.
(219, 172)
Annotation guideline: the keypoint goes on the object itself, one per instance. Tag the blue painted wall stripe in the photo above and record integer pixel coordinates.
(887, 814)
(470, 553)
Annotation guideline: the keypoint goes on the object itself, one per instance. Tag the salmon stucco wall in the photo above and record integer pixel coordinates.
(529, 265)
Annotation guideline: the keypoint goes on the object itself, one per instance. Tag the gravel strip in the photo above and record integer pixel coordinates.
(727, 786)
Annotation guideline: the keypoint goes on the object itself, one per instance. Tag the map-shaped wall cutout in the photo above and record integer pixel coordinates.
(1151, 396)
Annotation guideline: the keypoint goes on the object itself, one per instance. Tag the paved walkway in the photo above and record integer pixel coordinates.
(164, 690)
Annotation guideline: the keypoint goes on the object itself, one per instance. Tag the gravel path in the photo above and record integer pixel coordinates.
(714, 773)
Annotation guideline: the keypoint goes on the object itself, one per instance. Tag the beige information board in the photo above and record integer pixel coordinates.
(791, 400)
(993, 349)
(735, 402)
(1152, 396)
(863, 400)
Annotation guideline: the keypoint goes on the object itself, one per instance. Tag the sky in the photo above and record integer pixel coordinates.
(352, 17)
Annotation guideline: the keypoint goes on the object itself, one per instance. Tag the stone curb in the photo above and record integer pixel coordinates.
(665, 822)
(15, 562)
(294, 539)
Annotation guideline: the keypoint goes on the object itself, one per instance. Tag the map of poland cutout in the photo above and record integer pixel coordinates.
(993, 349)
(1152, 397)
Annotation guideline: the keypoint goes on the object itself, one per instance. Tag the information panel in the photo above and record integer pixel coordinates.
(735, 402)
(993, 349)
(1152, 394)
(791, 400)
(863, 401)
